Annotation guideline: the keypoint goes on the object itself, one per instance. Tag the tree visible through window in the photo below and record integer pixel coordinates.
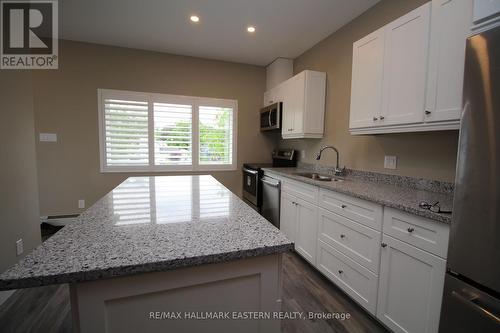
(153, 132)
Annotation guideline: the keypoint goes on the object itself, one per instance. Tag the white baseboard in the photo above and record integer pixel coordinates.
(4, 295)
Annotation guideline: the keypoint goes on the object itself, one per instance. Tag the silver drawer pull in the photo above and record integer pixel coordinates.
(383, 245)
(410, 230)
(382, 117)
(343, 206)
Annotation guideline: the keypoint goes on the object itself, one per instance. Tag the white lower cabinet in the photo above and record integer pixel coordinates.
(390, 262)
(410, 287)
(299, 220)
(307, 231)
(288, 216)
(355, 240)
(354, 279)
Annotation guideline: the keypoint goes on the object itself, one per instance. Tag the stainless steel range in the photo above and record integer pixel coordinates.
(262, 193)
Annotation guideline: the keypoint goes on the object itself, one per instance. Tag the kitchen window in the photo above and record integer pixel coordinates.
(140, 132)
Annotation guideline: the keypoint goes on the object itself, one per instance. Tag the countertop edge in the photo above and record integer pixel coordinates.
(410, 210)
(153, 267)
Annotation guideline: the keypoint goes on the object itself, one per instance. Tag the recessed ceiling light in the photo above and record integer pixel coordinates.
(251, 28)
(194, 18)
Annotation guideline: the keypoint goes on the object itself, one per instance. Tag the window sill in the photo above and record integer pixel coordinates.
(211, 168)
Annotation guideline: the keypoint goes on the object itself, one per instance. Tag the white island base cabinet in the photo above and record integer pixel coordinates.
(142, 303)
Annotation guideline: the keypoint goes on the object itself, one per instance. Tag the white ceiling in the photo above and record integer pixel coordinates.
(285, 28)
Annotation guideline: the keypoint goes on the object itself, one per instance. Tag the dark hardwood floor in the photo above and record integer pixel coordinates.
(306, 290)
(47, 309)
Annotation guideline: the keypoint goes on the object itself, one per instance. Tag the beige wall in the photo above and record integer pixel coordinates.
(66, 104)
(429, 155)
(18, 183)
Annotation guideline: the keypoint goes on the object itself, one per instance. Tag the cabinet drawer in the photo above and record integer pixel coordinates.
(355, 280)
(360, 243)
(423, 233)
(358, 210)
(301, 190)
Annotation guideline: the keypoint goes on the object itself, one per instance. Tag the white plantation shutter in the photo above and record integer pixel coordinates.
(141, 132)
(126, 130)
(215, 135)
(173, 135)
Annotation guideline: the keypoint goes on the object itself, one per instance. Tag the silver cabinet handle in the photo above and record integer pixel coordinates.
(343, 206)
(270, 183)
(383, 245)
(382, 117)
(410, 230)
(269, 118)
(342, 236)
(427, 112)
(253, 172)
(375, 118)
(341, 271)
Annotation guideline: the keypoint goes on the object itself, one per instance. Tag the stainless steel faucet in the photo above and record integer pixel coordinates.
(338, 170)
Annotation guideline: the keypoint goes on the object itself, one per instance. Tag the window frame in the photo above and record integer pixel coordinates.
(151, 98)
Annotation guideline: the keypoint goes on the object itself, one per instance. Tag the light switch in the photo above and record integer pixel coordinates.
(81, 203)
(390, 162)
(48, 137)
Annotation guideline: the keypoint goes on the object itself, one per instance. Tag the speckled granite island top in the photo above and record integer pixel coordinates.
(150, 224)
(395, 196)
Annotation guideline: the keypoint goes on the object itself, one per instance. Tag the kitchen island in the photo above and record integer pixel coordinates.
(158, 250)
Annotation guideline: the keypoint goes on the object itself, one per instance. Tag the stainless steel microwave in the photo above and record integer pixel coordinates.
(270, 117)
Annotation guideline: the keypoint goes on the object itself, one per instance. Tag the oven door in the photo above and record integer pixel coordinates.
(251, 186)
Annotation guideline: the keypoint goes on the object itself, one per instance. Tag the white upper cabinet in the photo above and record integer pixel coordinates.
(420, 88)
(405, 66)
(367, 74)
(304, 105)
(273, 96)
(451, 22)
(303, 97)
(485, 9)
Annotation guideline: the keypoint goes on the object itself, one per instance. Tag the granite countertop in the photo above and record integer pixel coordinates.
(150, 224)
(395, 196)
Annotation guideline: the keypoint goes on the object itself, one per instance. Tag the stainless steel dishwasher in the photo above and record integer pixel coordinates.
(271, 189)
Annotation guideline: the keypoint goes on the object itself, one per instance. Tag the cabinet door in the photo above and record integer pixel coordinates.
(405, 68)
(410, 287)
(288, 111)
(307, 231)
(288, 216)
(450, 25)
(293, 104)
(367, 74)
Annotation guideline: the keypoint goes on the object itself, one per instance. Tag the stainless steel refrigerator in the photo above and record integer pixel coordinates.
(471, 301)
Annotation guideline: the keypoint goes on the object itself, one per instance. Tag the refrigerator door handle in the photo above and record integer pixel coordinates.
(474, 301)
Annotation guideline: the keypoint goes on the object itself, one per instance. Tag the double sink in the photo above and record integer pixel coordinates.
(317, 176)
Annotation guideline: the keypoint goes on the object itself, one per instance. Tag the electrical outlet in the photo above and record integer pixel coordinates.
(390, 162)
(81, 203)
(48, 137)
(19, 247)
